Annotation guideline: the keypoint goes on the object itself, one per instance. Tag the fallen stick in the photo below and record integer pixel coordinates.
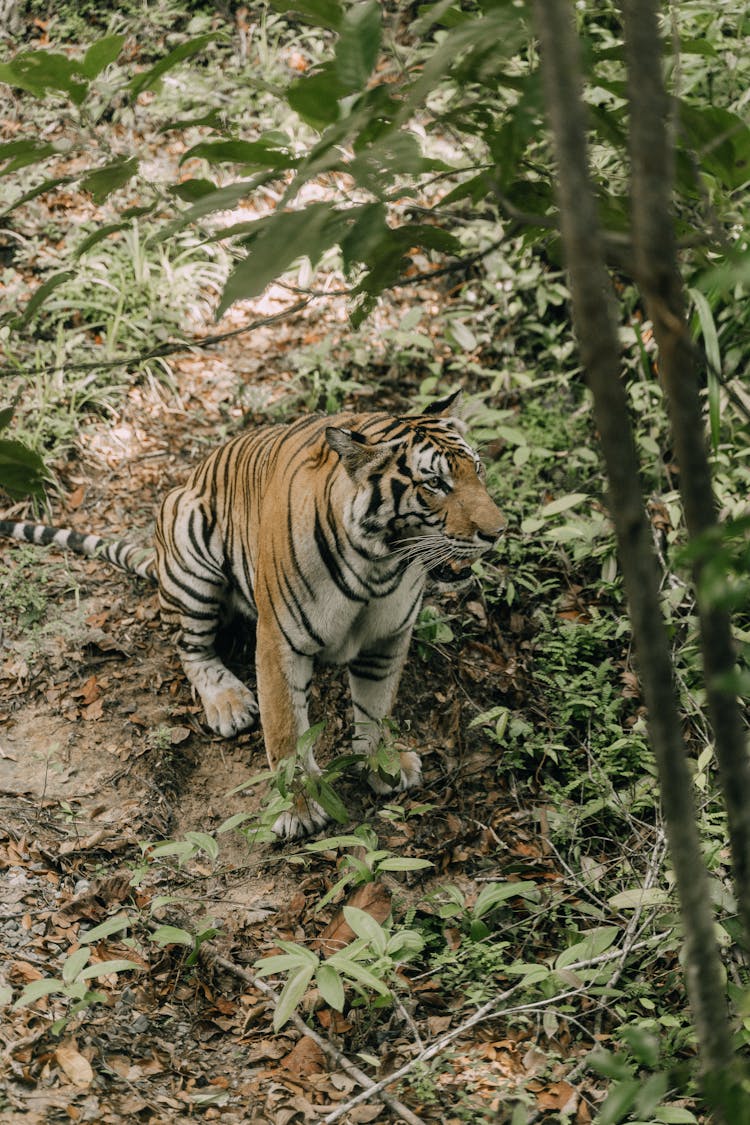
(370, 1088)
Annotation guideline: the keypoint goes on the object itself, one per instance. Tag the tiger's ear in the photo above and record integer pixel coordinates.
(448, 408)
(358, 456)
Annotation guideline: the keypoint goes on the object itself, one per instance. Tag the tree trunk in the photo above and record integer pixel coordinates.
(597, 332)
(659, 280)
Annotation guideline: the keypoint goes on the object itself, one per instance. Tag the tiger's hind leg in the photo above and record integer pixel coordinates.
(193, 591)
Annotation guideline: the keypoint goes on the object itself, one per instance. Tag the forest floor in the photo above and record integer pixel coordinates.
(102, 749)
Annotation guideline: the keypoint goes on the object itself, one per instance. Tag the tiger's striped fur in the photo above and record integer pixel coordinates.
(323, 531)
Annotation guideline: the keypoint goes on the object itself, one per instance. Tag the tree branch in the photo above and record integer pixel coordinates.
(597, 331)
(660, 280)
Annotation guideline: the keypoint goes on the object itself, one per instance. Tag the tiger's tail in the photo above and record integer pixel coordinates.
(125, 556)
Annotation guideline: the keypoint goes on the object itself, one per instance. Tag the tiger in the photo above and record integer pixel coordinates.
(323, 532)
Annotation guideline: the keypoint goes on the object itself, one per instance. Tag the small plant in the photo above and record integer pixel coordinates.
(452, 904)
(432, 628)
(368, 965)
(366, 867)
(72, 984)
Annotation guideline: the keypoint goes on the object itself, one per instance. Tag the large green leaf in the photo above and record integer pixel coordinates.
(287, 236)
(22, 471)
(358, 45)
(101, 54)
(291, 995)
(223, 199)
(39, 71)
(259, 154)
(316, 97)
(720, 140)
(330, 986)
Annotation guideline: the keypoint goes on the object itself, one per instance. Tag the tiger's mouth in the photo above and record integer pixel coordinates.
(453, 572)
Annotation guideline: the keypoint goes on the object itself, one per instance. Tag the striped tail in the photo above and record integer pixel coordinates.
(124, 555)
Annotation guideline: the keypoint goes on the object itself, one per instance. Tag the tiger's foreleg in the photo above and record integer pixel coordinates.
(374, 677)
(284, 678)
(192, 593)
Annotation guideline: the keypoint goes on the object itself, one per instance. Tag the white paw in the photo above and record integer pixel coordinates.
(230, 710)
(302, 819)
(408, 777)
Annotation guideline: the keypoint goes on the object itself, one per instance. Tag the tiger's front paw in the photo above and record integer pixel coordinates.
(302, 819)
(230, 710)
(409, 775)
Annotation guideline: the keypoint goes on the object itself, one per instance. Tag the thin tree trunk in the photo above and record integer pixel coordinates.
(597, 333)
(660, 282)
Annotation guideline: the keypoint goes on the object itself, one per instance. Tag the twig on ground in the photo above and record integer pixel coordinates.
(328, 1048)
(489, 1010)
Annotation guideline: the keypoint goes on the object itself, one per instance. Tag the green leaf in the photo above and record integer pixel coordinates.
(316, 98)
(41, 294)
(330, 800)
(351, 968)
(97, 236)
(283, 963)
(205, 842)
(404, 863)
(619, 1102)
(39, 71)
(104, 968)
(323, 13)
(286, 236)
(720, 140)
(365, 926)
(149, 78)
(675, 1115)
(564, 503)
(74, 963)
(22, 471)
(258, 154)
(358, 45)
(292, 994)
(6, 416)
(234, 822)
(102, 181)
(38, 988)
(101, 54)
(330, 986)
(171, 935)
(112, 926)
(191, 190)
(223, 199)
(637, 897)
(495, 893)
(19, 154)
(46, 185)
(594, 942)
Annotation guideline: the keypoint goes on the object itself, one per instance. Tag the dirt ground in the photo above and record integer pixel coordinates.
(103, 753)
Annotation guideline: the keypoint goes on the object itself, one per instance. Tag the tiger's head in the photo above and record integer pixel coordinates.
(420, 486)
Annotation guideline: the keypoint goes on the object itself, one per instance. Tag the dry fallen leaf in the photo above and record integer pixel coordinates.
(74, 1064)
